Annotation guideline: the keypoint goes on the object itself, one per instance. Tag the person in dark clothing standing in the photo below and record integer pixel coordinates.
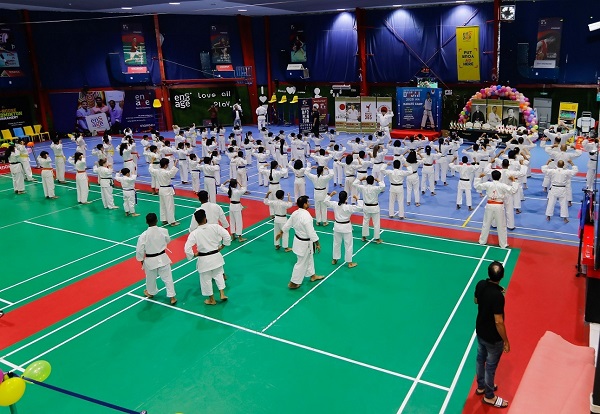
(315, 120)
(213, 112)
(491, 333)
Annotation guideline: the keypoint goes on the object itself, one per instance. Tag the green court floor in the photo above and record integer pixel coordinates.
(392, 335)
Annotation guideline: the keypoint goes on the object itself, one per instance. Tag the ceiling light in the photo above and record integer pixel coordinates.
(396, 5)
(175, 4)
(341, 9)
(242, 10)
(126, 8)
(461, 1)
(594, 26)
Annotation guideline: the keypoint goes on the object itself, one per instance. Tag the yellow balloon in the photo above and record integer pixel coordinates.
(11, 391)
(38, 370)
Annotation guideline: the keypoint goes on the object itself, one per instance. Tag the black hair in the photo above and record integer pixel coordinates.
(411, 158)
(279, 194)
(396, 164)
(428, 150)
(496, 175)
(397, 143)
(125, 171)
(200, 216)
(99, 146)
(43, 154)
(152, 148)
(232, 184)
(361, 154)
(77, 156)
(273, 165)
(206, 160)
(322, 151)
(122, 148)
(320, 169)
(203, 196)
(343, 196)
(370, 179)
(465, 159)
(281, 144)
(336, 147)
(495, 271)
(298, 165)
(164, 162)
(505, 163)
(349, 159)
(151, 219)
(192, 156)
(301, 201)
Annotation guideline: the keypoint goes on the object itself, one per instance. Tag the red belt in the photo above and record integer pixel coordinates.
(495, 202)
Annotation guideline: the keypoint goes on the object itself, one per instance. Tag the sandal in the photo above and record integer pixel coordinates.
(499, 403)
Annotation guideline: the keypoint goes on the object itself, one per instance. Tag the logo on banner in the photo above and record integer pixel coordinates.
(183, 101)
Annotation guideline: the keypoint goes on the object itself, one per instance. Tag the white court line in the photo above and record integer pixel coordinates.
(285, 341)
(464, 359)
(44, 215)
(313, 288)
(474, 211)
(125, 294)
(7, 302)
(441, 335)
(11, 365)
(80, 234)
(419, 248)
(75, 261)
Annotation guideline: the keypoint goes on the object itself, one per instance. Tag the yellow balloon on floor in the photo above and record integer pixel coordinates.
(11, 391)
(38, 370)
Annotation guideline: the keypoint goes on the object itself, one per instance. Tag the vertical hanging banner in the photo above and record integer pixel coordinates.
(297, 44)
(467, 53)
(419, 108)
(219, 44)
(305, 107)
(353, 115)
(368, 110)
(9, 58)
(323, 114)
(134, 48)
(384, 102)
(340, 114)
(547, 48)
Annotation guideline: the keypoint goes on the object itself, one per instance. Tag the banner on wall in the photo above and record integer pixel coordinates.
(190, 106)
(340, 114)
(131, 109)
(9, 58)
(323, 113)
(419, 108)
(297, 44)
(368, 111)
(15, 112)
(219, 44)
(467, 53)
(547, 48)
(134, 48)
(305, 107)
(353, 115)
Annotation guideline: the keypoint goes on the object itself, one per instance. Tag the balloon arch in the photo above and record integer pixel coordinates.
(506, 93)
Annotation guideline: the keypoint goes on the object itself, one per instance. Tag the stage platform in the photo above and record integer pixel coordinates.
(407, 133)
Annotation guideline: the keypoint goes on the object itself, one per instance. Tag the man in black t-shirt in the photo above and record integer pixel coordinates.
(491, 333)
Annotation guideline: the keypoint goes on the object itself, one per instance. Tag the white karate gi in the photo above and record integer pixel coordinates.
(208, 238)
(371, 209)
(302, 223)
(59, 159)
(385, 121)
(153, 242)
(24, 159)
(261, 114)
(81, 179)
(321, 184)
(559, 180)
(466, 172)
(299, 183)
(396, 177)
(342, 229)
(210, 173)
(214, 215)
(166, 192)
(105, 180)
(128, 186)
(494, 210)
(16, 172)
(47, 176)
(280, 208)
(235, 209)
(274, 182)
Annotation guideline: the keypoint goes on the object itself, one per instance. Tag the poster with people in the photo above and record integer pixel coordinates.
(134, 47)
(340, 114)
(494, 114)
(9, 58)
(419, 108)
(297, 44)
(353, 115)
(219, 44)
(478, 111)
(510, 113)
(547, 48)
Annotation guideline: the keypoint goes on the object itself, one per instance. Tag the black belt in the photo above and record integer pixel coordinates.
(209, 176)
(428, 165)
(484, 159)
(180, 159)
(320, 188)
(301, 238)
(156, 163)
(274, 183)
(13, 163)
(207, 253)
(349, 176)
(465, 179)
(154, 254)
(371, 205)
(130, 160)
(234, 202)
(165, 186)
(414, 172)
(343, 222)
(397, 184)
(559, 186)
(241, 166)
(281, 215)
(362, 172)
(377, 163)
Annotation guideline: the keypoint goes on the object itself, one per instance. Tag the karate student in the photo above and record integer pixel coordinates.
(370, 193)
(350, 166)
(321, 183)
(24, 160)
(163, 177)
(338, 169)
(305, 240)
(280, 207)
(16, 170)
(559, 181)
(427, 173)
(109, 150)
(379, 152)
(262, 158)
(81, 178)
(214, 212)
(261, 114)
(234, 191)
(299, 179)
(441, 172)
(275, 174)
(151, 252)
(466, 172)
(494, 210)
(396, 177)
(45, 162)
(242, 175)
(59, 159)
(194, 172)
(80, 142)
(182, 156)
(412, 181)
(98, 152)
(208, 239)
(105, 180)
(127, 181)
(153, 158)
(210, 172)
(342, 228)
(384, 119)
(590, 145)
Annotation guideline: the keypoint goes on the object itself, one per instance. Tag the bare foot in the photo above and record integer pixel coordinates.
(352, 264)
(458, 206)
(314, 278)
(277, 247)
(241, 239)
(210, 302)
(293, 285)
(224, 298)
(470, 208)
(364, 239)
(173, 300)
(547, 218)
(334, 261)
(134, 214)
(566, 220)
(418, 204)
(288, 249)
(378, 241)
(149, 296)
(175, 223)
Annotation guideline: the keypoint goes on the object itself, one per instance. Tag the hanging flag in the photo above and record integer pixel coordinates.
(467, 53)
(9, 58)
(134, 48)
(219, 43)
(547, 48)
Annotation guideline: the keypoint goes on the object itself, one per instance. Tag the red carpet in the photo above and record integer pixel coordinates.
(407, 133)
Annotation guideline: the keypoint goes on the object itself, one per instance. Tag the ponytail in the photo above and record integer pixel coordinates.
(281, 144)
(122, 147)
(273, 166)
(232, 184)
(343, 196)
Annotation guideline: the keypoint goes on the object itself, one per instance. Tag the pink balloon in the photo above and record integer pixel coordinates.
(482, 91)
(1, 376)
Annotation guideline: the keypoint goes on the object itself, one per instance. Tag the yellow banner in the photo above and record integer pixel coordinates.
(467, 53)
